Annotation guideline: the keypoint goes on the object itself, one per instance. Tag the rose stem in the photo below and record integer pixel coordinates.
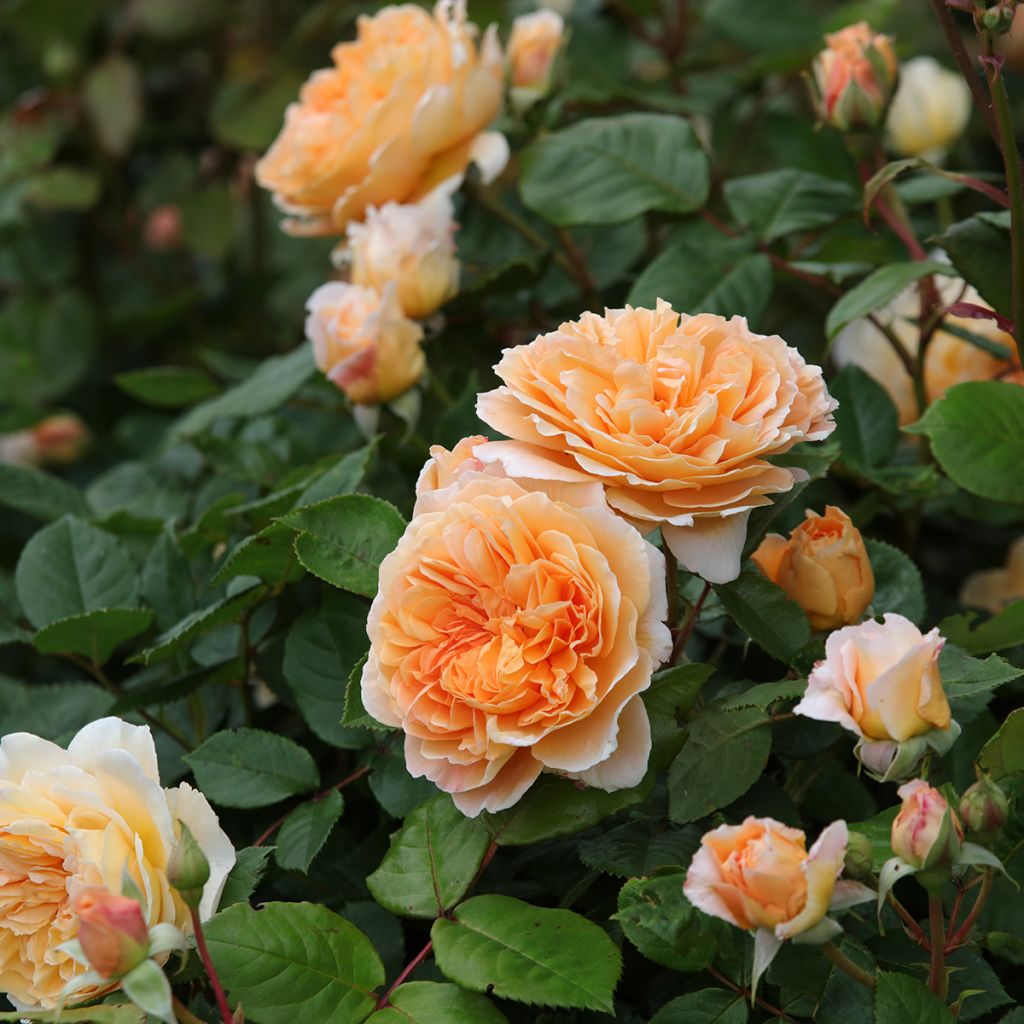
(979, 904)
(847, 966)
(740, 990)
(672, 587)
(912, 926)
(691, 620)
(211, 971)
(937, 972)
(407, 970)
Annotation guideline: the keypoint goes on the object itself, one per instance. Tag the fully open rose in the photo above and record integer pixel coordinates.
(675, 415)
(403, 108)
(80, 818)
(513, 633)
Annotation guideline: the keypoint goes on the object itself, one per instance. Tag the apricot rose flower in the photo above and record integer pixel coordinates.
(675, 415)
(403, 108)
(512, 634)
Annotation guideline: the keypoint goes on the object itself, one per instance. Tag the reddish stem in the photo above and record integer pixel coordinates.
(964, 931)
(408, 969)
(357, 774)
(740, 990)
(211, 971)
(691, 620)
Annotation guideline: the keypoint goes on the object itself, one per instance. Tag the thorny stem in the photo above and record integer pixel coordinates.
(847, 966)
(964, 931)
(357, 774)
(211, 971)
(745, 992)
(1011, 162)
(679, 645)
(916, 931)
(937, 929)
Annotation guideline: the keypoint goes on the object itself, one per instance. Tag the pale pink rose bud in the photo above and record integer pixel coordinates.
(926, 833)
(532, 48)
(984, 809)
(57, 439)
(413, 247)
(363, 341)
(111, 930)
(852, 79)
(162, 230)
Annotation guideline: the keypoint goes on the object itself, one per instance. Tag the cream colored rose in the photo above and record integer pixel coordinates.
(760, 876)
(994, 589)
(413, 247)
(949, 360)
(363, 342)
(403, 108)
(881, 681)
(929, 112)
(823, 566)
(532, 48)
(512, 634)
(674, 415)
(79, 818)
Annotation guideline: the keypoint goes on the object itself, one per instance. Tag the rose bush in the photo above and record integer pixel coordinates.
(512, 514)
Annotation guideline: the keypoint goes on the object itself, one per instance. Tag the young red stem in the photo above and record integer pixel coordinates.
(937, 970)
(963, 933)
(740, 990)
(211, 971)
(687, 628)
(916, 931)
(406, 971)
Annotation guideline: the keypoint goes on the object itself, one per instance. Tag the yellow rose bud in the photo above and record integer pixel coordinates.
(881, 681)
(532, 48)
(926, 833)
(363, 341)
(411, 246)
(929, 112)
(823, 566)
(984, 808)
(111, 931)
(853, 77)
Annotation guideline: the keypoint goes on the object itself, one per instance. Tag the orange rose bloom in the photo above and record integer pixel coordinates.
(513, 633)
(823, 566)
(402, 110)
(675, 415)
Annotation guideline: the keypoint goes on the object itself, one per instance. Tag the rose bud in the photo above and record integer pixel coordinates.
(929, 112)
(853, 77)
(60, 439)
(761, 877)
(188, 870)
(860, 856)
(363, 341)
(823, 566)
(111, 931)
(984, 809)
(162, 229)
(1011, 45)
(881, 681)
(532, 48)
(926, 833)
(412, 246)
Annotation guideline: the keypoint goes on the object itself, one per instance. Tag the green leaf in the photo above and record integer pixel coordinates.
(764, 695)
(208, 219)
(108, 1013)
(250, 867)
(113, 101)
(248, 114)
(38, 494)
(355, 716)
(671, 696)
(167, 581)
(994, 634)
(528, 954)
(147, 987)
(867, 423)
(268, 555)
(169, 387)
(980, 250)
(900, 998)
(898, 584)
(305, 831)
(202, 620)
(343, 540)
(879, 832)
(318, 660)
(611, 169)
(252, 768)
(878, 289)
(773, 621)
(723, 757)
(63, 188)
(632, 849)
(71, 567)
(708, 1006)
(54, 712)
(1004, 753)
(777, 203)
(271, 385)
(431, 861)
(342, 478)
(977, 434)
(662, 923)
(295, 961)
(556, 807)
(92, 634)
(703, 271)
(430, 1002)
(964, 676)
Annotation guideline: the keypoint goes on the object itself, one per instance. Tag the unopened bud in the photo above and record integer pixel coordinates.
(111, 931)
(998, 19)
(860, 857)
(984, 809)
(926, 833)
(188, 869)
